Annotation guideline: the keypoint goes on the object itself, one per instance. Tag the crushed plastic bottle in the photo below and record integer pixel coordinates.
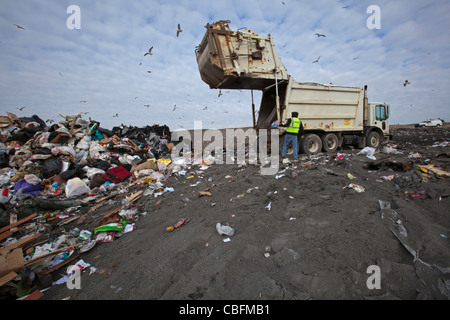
(227, 230)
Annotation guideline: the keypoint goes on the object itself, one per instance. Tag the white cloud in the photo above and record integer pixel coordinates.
(50, 69)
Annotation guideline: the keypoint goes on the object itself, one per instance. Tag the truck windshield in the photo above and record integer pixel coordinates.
(381, 112)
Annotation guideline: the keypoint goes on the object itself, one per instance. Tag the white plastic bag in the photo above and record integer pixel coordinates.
(369, 152)
(84, 143)
(227, 230)
(65, 150)
(32, 179)
(76, 187)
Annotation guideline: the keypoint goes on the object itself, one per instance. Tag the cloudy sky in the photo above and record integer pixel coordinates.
(100, 68)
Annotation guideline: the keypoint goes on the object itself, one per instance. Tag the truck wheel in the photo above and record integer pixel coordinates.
(373, 139)
(311, 144)
(329, 142)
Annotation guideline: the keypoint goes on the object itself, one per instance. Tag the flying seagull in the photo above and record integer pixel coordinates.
(320, 35)
(116, 115)
(205, 108)
(83, 101)
(60, 74)
(19, 27)
(21, 108)
(220, 93)
(179, 30)
(346, 7)
(174, 107)
(406, 82)
(149, 52)
(146, 105)
(317, 60)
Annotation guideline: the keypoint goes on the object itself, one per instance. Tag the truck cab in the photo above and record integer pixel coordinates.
(377, 126)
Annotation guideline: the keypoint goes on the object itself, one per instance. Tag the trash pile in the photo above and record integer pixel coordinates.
(54, 178)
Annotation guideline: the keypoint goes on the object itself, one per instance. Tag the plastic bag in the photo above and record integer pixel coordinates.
(84, 143)
(76, 187)
(32, 179)
(369, 152)
(65, 150)
(227, 230)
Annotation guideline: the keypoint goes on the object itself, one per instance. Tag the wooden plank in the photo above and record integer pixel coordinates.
(7, 278)
(36, 295)
(59, 265)
(21, 242)
(5, 235)
(45, 256)
(18, 222)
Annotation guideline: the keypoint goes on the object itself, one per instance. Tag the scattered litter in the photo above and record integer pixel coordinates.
(223, 229)
(369, 152)
(181, 222)
(355, 187)
(431, 168)
(350, 176)
(204, 193)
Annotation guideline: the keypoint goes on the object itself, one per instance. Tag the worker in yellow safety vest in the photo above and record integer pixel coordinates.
(293, 130)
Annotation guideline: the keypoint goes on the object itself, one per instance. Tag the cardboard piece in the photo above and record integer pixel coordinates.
(12, 261)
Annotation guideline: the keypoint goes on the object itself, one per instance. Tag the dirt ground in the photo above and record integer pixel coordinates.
(318, 240)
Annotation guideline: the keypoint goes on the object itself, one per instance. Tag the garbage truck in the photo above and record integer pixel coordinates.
(332, 115)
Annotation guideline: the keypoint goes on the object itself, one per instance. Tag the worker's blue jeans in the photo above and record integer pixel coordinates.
(290, 138)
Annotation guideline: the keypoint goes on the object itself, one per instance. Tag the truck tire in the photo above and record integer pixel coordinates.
(330, 142)
(311, 144)
(373, 139)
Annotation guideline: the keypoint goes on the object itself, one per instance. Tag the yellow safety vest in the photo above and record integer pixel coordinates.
(294, 126)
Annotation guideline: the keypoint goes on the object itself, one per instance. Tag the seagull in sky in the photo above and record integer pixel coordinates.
(317, 60)
(21, 108)
(174, 107)
(220, 93)
(116, 115)
(83, 101)
(147, 105)
(320, 35)
(149, 52)
(346, 7)
(19, 27)
(406, 82)
(148, 71)
(205, 108)
(179, 30)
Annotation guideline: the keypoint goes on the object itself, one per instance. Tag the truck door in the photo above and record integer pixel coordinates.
(381, 114)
